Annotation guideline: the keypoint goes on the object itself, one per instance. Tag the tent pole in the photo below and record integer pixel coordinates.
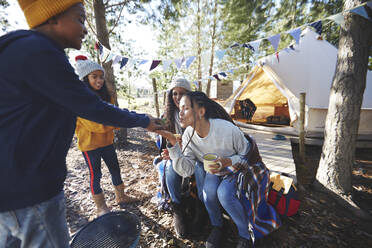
(302, 127)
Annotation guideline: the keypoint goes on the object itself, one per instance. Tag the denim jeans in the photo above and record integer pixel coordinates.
(93, 160)
(174, 181)
(41, 225)
(219, 191)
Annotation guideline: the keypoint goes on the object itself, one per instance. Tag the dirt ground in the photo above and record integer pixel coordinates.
(321, 222)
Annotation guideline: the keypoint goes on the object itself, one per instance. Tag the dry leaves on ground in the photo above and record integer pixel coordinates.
(320, 222)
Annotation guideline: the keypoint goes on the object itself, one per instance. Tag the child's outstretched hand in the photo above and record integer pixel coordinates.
(156, 124)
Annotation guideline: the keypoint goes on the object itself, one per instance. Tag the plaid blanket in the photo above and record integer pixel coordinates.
(252, 190)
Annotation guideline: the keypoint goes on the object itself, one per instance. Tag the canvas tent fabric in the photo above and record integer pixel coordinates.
(262, 92)
(308, 68)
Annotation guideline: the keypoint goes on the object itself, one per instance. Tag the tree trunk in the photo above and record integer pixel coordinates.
(199, 48)
(213, 38)
(345, 101)
(103, 38)
(156, 101)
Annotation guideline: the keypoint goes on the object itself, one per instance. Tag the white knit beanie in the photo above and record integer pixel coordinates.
(180, 82)
(85, 66)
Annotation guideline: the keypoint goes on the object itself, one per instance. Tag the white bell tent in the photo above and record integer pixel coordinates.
(309, 68)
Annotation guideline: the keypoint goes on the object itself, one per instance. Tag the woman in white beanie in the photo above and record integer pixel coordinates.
(173, 181)
(96, 140)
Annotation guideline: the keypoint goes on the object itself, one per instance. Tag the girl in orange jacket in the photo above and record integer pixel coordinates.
(96, 140)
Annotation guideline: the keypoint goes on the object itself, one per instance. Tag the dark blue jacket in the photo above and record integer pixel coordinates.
(40, 97)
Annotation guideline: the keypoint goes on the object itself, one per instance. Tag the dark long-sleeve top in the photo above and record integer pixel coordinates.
(40, 97)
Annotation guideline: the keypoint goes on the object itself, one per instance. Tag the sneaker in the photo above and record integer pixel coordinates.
(214, 238)
(244, 243)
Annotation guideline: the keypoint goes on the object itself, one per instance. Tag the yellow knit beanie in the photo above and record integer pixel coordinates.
(39, 11)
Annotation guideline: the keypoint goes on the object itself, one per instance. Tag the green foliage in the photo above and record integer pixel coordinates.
(245, 21)
(4, 23)
(322, 9)
(122, 92)
(176, 22)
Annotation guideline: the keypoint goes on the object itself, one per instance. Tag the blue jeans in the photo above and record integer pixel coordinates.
(93, 160)
(219, 191)
(174, 181)
(41, 225)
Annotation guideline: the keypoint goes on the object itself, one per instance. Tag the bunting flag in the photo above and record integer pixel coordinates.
(369, 4)
(248, 46)
(105, 54)
(216, 77)
(223, 74)
(116, 59)
(360, 11)
(220, 54)
(236, 44)
(189, 61)
(154, 64)
(295, 33)
(123, 62)
(179, 62)
(143, 61)
(109, 57)
(274, 40)
(317, 26)
(255, 44)
(338, 18)
(166, 64)
(99, 47)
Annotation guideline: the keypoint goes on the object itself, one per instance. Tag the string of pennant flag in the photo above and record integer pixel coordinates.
(107, 55)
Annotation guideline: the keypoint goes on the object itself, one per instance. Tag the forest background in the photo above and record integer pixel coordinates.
(169, 29)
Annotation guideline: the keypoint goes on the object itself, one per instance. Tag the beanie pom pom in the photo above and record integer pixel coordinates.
(80, 57)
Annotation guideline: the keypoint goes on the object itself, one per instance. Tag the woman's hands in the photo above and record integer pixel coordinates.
(220, 164)
(165, 154)
(171, 137)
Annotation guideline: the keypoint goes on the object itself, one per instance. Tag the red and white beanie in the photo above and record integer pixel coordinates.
(85, 66)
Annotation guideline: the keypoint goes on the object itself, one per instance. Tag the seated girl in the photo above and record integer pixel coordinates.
(238, 180)
(173, 181)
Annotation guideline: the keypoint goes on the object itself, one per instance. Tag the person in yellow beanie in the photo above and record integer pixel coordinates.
(40, 98)
(96, 140)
